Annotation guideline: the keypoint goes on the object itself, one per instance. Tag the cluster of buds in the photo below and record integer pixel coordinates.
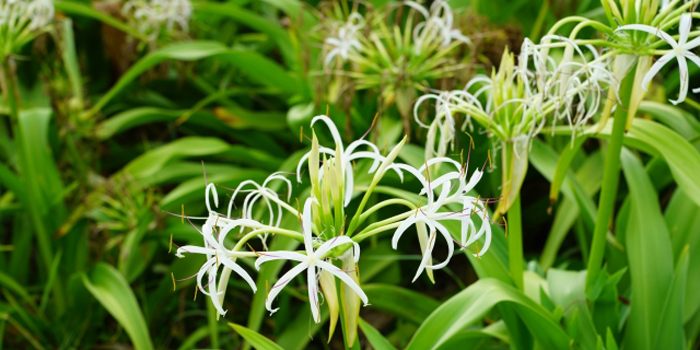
(399, 49)
(327, 232)
(154, 18)
(21, 21)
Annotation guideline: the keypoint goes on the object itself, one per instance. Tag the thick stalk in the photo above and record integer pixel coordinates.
(611, 175)
(515, 243)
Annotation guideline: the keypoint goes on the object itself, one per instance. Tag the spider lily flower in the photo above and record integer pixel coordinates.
(346, 40)
(313, 262)
(452, 188)
(437, 27)
(680, 49)
(217, 255)
(153, 17)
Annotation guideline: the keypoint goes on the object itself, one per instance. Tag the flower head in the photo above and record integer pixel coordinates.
(313, 262)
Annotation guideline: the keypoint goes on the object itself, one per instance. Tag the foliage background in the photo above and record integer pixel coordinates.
(113, 134)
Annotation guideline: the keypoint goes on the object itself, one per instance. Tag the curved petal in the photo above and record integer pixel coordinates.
(655, 68)
(312, 285)
(281, 283)
(402, 228)
(683, 72)
(214, 293)
(343, 276)
(332, 128)
(306, 226)
(427, 253)
(684, 28)
(330, 244)
(279, 255)
(450, 246)
(191, 249)
(651, 30)
(239, 270)
(211, 188)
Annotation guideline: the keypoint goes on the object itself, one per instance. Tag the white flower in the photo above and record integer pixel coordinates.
(347, 156)
(270, 197)
(452, 188)
(217, 255)
(312, 262)
(346, 40)
(438, 25)
(41, 13)
(681, 50)
(152, 16)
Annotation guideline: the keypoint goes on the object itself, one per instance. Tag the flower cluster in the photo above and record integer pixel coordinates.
(399, 48)
(153, 17)
(325, 231)
(21, 21)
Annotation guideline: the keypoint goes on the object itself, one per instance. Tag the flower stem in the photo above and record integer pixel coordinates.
(515, 243)
(611, 174)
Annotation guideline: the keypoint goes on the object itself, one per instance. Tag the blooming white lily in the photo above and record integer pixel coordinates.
(346, 40)
(681, 50)
(312, 262)
(452, 189)
(217, 255)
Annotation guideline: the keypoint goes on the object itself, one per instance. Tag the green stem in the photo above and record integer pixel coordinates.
(515, 243)
(608, 191)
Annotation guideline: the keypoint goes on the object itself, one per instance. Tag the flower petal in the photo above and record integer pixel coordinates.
(279, 255)
(313, 293)
(281, 283)
(343, 276)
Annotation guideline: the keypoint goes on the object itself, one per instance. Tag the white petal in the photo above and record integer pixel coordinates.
(211, 188)
(655, 68)
(313, 293)
(333, 129)
(427, 253)
(279, 255)
(343, 276)
(332, 243)
(306, 226)
(400, 230)
(651, 30)
(239, 270)
(684, 28)
(450, 246)
(281, 283)
(191, 249)
(683, 71)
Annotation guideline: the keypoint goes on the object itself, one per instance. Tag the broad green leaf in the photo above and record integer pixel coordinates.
(150, 163)
(256, 339)
(110, 288)
(470, 305)
(670, 334)
(393, 300)
(683, 221)
(674, 117)
(650, 256)
(567, 290)
(258, 67)
(651, 137)
(375, 338)
(254, 21)
(134, 117)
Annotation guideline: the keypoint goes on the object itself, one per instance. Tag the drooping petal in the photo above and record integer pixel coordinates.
(211, 188)
(655, 68)
(343, 276)
(281, 283)
(450, 245)
(651, 30)
(427, 253)
(402, 228)
(306, 226)
(332, 128)
(313, 293)
(240, 271)
(191, 249)
(683, 72)
(684, 29)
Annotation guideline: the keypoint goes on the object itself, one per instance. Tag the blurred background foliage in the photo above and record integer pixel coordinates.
(117, 131)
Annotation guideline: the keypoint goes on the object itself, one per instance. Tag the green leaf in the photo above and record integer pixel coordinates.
(110, 288)
(683, 220)
(568, 290)
(258, 341)
(682, 158)
(78, 9)
(254, 21)
(563, 166)
(670, 334)
(393, 300)
(649, 255)
(134, 117)
(375, 338)
(259, 68)
(470, 305)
